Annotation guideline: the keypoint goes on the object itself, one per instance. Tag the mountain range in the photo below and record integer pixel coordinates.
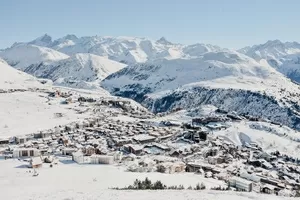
(260, 80)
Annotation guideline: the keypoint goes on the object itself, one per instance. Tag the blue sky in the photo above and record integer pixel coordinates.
(228, 23)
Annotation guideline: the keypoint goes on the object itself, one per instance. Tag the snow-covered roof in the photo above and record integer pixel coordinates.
(77, 153)
(36, 161)
(135, 147)
(143, 137)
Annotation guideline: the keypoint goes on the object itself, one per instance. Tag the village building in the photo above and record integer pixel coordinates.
(41, 135)
(240, 184)
(68, 151)
(89, 150)
(4, 142)
(161, 146)
(144, 138)
(35, 162)
(251, 177)
(135, 149)
(26, 152)
(21, 139)
(101, 159)
(171, 167)
(78, 157)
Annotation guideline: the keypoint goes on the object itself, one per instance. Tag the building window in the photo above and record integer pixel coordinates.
(25, 153)
(31, 153)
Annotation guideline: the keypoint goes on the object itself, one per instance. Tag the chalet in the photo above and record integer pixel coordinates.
(78, 157)
(268, 180)
(89, 150)
(266, 165)
(135, 149)
(240, 184)
(144, 138)
(21, 139)
(36, 162)
(70, 127)
(4, 142)
(250, 177)
(41, 135)
(68, 151)
(101, 159)
(122, 141)
(26, 152)
(175, 153)
(165, 137)
(161, 146)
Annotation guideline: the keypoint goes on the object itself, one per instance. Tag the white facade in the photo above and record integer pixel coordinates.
(78, 157)
(36, 162)
(68, 151)
(240, 184)
(118, 156)
(30, 152)
(101, 159)
(21, 140)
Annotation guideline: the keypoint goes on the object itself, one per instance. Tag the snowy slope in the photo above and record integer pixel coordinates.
(220, 66)
(80, 182)
(21, 56)
(227, 80)
(79, 70)
(272, 49)
(284, 57)
(270, 137)
(289, 65)
(11, 78)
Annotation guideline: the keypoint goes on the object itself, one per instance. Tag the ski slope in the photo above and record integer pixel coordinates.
(11, 78)
(90, 182)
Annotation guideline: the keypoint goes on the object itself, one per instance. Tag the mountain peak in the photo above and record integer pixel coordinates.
(273, 42)
(163, 40)
(71, 37)
(43, 40)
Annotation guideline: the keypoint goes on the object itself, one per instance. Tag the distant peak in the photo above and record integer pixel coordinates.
(45, 38)
(163, 40)
(42, 40)
(71, 37)
(273, 42)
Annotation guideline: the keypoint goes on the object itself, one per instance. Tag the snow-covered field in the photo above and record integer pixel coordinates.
(71, 181)
(28, 112)
(269, 137)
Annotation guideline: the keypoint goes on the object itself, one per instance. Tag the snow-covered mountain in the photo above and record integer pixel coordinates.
(79, 70)
(13, 79)
(129, 50)
(165, 75)
(226, 79)
(162, 75)
(21, 56)
(272, 49)
(284, 57)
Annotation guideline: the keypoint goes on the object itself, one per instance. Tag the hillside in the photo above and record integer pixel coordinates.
(228, 80)
(282, 56)
(13, 79)
(272, 49)
(220, 68)
(21, 56)
(79, 70)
